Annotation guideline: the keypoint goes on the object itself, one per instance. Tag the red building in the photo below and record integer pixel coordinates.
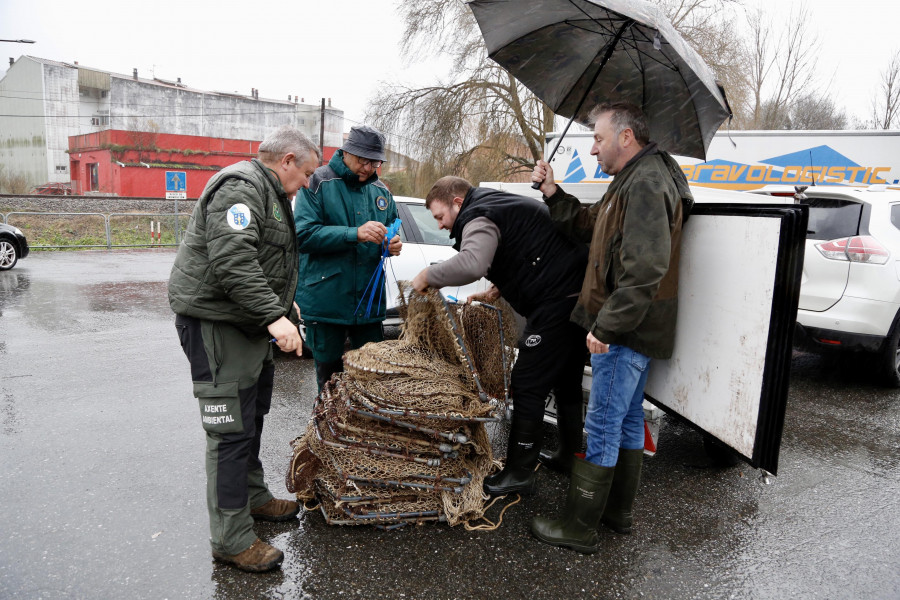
(136, 163)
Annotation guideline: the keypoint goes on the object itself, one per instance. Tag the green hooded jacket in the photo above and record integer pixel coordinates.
(335, 268)
(238, 259)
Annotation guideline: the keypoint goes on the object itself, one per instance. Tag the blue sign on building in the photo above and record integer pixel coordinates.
(176, 181)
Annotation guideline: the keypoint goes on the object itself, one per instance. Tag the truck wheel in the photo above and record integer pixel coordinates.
(890, 356)
(9, 254)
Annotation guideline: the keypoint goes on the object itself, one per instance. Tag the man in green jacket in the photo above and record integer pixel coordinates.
(341, 222)
(628, 305)
(232, 290)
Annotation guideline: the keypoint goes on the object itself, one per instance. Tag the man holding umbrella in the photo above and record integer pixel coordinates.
(628, 305)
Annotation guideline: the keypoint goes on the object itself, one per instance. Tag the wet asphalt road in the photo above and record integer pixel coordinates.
(102, 480)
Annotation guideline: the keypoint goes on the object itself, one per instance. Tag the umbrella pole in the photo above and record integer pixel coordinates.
(536, 185)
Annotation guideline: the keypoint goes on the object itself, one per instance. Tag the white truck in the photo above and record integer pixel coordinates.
(748, 160)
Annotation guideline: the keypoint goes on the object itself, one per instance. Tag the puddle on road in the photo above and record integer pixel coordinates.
(127, 297)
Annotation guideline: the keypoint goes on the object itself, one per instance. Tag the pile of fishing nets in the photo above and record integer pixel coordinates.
(399, 437)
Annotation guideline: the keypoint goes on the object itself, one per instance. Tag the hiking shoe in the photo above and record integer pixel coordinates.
(276, 510)
(258, 558)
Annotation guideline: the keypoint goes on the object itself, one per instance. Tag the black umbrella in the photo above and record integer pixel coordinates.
(574, 54)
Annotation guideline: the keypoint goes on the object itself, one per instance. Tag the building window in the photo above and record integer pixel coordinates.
(61, 169)
(100, 120)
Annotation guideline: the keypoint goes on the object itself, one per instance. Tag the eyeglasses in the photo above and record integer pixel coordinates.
(365, 162)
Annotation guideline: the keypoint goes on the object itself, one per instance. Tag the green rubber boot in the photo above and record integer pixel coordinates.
(577, 527)
(522, 451)
(618, 515)
(570, 427)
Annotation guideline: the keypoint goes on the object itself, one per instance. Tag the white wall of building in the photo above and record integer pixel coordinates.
(61, 108)
(23, 144)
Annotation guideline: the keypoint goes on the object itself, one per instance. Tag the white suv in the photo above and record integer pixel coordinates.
(850, 291)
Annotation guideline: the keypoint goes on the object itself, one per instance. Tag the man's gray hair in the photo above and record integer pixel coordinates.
(624, 116)
(284, 140)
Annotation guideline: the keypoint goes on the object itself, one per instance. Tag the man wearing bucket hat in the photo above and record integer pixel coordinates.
(341, 221)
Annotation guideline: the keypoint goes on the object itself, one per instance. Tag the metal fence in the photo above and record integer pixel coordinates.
(55, 230)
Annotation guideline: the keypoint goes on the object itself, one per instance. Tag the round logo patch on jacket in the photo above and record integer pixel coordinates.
(238, 216)
(532, 340)
(381, 203)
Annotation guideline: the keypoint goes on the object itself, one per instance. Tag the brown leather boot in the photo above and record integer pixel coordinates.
(276, 510)
(258, 558)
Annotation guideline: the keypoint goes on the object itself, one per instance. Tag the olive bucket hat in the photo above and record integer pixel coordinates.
(365, 142)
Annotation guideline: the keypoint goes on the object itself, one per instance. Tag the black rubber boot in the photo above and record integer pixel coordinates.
(570, 427)
(577, 527)
(522, 451)
(325, 370)
(618, 515)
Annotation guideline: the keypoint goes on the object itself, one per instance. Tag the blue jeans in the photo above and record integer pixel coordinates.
(615, 415)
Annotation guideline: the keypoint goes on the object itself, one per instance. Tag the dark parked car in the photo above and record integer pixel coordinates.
(13, 246)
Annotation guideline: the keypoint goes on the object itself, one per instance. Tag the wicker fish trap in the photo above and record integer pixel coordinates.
(399, 437)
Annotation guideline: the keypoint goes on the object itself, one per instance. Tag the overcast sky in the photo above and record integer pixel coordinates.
(342, 49)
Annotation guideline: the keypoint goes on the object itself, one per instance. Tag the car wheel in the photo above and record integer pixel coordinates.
(890, 356)
(9, 255)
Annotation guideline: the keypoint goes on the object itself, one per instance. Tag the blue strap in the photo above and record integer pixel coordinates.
(376, 282)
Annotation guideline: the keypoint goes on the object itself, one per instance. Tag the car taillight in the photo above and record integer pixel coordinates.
(860, 249)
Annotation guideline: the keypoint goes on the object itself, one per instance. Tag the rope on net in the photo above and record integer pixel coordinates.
(400, 436)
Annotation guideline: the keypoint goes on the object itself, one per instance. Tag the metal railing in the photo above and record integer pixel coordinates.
(99, 230)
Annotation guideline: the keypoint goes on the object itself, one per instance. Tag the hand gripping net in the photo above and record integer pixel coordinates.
(399, 437)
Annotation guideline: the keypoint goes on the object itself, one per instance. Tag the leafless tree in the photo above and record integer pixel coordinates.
(480, 122)
(815, 111)
(886, 106)
(782, 61)
(710, 28)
